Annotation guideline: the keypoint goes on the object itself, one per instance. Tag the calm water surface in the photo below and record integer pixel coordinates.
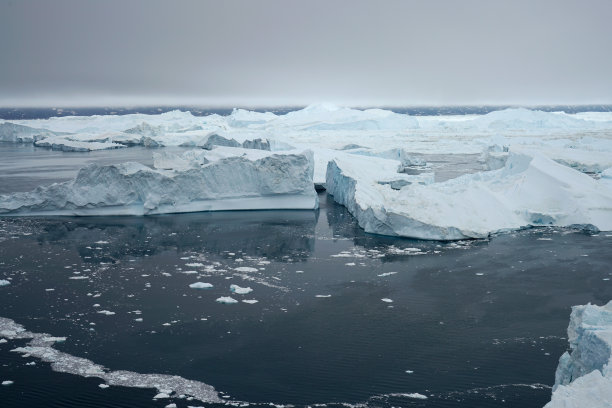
(471, 324)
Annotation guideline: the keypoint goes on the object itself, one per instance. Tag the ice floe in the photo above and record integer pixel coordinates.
(201, 285)
(240, 290)
(41, 346)
(227, 300)
(4, 282)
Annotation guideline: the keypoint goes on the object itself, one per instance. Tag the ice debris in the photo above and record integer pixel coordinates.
(41, 346)
(227, 300)
(240, 290)
(201, 285)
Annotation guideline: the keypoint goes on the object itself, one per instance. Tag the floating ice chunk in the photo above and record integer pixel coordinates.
(226, 300)
(387, 300)
(250, 301)
(67, 144)
(11, 132)
(414, 395)
(173, 405)
(194, 264)
(386, 274)
(201, 285)
(239, 290)
(323, 296)
(246, 269)
(2, 341)
(4, 282)
(7, 382)
(106, 312)
(530, 190)
(258, 180)
(161, 395)
(103, 386)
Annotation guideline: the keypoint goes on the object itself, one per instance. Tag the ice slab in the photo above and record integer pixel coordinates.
(584, 375)
(231, 179)
(530, 190)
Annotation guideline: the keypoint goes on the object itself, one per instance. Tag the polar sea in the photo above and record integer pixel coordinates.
(336, 317)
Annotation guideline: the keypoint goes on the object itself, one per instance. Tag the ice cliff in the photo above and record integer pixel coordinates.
(240, 179)
(584, 375)
(530, 190)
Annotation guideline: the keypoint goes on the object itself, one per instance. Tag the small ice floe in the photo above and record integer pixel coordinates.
(386, 274)
(7, 383)
(49, 290)
(138, 319)
(322, 296)
(106, 312)
(79, 277)
(409, 372)
(544, 239)
(227, 300)
(194, 264)
(387, 300)
(201, 285)
(101, 242)
(479, 273)
(173, 405)
(2, 341)
(189, 272)
(50, 339)
(246, 269)
(103, 386)
(4, 282)
(414, 395)
(161, 395)
(240, 290)
(250, 301)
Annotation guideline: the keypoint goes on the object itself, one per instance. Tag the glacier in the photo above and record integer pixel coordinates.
(229, 179)
(584, 375)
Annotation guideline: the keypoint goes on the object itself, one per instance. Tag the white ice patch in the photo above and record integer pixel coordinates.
(4, 282)
(227, 300)
(246, 269)
(240, 290)
(201, 285)
(62, 362)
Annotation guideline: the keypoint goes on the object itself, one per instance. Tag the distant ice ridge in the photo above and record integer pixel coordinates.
(41, 347)
(584, 376)
(530, 190)
(221, 179)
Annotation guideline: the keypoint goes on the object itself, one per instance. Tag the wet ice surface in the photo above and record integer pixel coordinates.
(470, 323)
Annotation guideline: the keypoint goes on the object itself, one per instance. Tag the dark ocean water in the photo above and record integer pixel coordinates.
(478, 323)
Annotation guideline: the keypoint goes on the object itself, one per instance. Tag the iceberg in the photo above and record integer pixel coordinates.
(530, 190)
(584, 375)
(229, 179)
(10, 132)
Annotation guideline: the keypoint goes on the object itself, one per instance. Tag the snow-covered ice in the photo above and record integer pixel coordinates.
(226, 300)
(4, 282)
(240, 290)
(253, 179)
(530, 190)
(584, 375)
(201, 285)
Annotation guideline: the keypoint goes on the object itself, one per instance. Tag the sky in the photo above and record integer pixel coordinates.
(284, 52)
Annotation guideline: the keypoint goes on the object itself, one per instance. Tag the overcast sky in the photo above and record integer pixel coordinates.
(278, 52)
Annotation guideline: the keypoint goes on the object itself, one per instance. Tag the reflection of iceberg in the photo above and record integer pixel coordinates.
(269, 234)
(225, 181)
(530, 190)
(584, 376)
